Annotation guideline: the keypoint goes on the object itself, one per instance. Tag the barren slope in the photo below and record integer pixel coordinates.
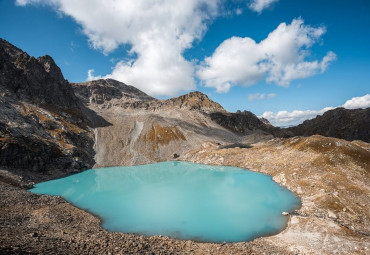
(330, 175)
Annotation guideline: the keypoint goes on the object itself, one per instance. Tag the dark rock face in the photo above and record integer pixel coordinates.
(340, 123)
(43, 125)
(38, 81)
(265, 121)
(242, 122)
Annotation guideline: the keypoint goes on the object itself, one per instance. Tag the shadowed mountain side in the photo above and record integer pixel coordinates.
(340, 123)
(242, 122)
(44, 128)
(46, 131)
(41, 110)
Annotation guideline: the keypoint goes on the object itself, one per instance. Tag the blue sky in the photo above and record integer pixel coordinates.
(286, 60)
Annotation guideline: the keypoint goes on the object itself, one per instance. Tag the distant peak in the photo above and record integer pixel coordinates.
(196, 100)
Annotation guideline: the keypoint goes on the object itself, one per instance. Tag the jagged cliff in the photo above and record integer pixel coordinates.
(242, 122)
(340, 123)
(107, 93)
(43, 126)
(49, 128)
(50, 125)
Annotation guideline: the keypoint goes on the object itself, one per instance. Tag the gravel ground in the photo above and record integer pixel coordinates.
(330, 175)
(39, 224)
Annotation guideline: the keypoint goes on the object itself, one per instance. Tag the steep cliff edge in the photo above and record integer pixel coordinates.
(44, 128)
(48, 130)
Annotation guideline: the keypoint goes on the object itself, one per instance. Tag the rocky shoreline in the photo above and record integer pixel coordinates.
(39, 224)
(50, 128)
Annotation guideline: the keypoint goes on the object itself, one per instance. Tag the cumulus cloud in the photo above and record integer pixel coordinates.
(280, 58)
(285, 118)
(259, 96)
(158, 32)
(91, 77)
(260, 5)
(358, 102)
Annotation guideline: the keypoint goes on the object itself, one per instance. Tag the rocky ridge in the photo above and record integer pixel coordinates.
(107, 93)
(348, 124)
(243, 123)
(45, 130)
(106, 123)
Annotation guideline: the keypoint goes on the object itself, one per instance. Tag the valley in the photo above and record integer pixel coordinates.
(71, 127)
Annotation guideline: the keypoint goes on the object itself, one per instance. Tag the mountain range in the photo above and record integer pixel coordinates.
(49, 124)
(50, 127)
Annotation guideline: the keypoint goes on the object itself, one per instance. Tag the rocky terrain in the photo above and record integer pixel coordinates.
(331, 176)
(341, 123)
(50, 128)
(45, 130)
(145, 129)
(243, 123)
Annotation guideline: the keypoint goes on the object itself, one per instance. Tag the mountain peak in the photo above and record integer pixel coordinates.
(39, 81)
(109, 92)
(196, 100)
(51, 67)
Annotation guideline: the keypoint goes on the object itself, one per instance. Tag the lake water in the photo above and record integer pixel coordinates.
(179, 199)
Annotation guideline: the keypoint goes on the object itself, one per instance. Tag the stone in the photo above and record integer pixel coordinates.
(332, 215)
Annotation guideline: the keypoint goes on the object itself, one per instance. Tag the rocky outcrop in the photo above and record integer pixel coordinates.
(340, 123)
(193, 101)
(107, 93)
(241, 122)
(44, 128)
(265, 121)
(46, 131)
(38, 81)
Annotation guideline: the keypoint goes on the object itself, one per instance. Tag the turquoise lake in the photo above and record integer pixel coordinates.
(179, 199)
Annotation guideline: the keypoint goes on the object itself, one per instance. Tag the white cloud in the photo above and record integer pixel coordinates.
(158, 31)
(239, 11)
(260, 5)
(90, 75)
(358, 102)
(285, 118)
(259, 96)
(280, 58)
